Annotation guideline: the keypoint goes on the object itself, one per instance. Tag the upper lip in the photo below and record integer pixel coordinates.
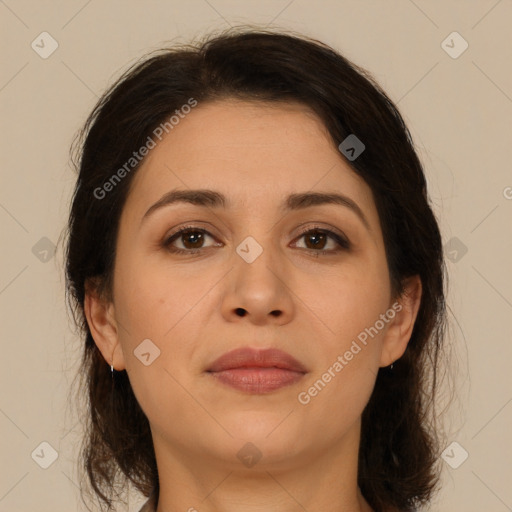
(248, 357)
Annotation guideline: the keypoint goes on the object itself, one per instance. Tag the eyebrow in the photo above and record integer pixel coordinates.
(213, 199)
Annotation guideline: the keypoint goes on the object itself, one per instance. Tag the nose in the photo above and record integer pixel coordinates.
(258, 292)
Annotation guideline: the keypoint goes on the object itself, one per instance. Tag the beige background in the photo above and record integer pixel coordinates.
(458, 110)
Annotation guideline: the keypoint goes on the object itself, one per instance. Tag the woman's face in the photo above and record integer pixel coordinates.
(245, 275)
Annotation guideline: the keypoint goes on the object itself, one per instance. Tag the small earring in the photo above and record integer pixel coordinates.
(391, 367)
(112, 369)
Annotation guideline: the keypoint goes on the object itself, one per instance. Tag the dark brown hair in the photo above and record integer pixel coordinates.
(399, 444)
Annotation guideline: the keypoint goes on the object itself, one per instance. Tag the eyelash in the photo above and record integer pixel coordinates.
(341, 241)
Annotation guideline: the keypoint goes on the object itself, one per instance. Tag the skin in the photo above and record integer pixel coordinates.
(311, 306)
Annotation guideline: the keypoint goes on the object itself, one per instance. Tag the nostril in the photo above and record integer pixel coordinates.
(240, 311)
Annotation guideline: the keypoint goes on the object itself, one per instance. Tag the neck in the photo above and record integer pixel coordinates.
(282, 483)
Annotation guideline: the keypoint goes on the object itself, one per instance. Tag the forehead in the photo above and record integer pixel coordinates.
(251, 151)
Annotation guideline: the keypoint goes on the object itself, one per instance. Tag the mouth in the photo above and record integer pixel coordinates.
(257, 371)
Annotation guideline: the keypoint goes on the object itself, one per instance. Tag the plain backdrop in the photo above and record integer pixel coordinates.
(457, 102)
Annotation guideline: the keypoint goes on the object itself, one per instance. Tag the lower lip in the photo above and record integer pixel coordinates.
(258, 380)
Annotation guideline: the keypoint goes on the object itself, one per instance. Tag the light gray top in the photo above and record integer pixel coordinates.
(149, 506)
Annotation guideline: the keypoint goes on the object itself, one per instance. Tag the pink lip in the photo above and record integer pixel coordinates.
(257, 371)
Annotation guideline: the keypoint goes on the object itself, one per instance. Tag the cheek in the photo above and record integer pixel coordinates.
(344, 378)
(168, 308)
(152, 297)
(350, 309)
(349, 301)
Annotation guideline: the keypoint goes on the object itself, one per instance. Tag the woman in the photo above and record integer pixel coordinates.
(259, 278)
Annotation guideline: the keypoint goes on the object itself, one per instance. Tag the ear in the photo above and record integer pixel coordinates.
(100, 316)
(400, 327)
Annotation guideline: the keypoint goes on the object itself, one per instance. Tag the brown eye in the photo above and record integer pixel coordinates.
(194, 238)
(317, 239)
(191, 239)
